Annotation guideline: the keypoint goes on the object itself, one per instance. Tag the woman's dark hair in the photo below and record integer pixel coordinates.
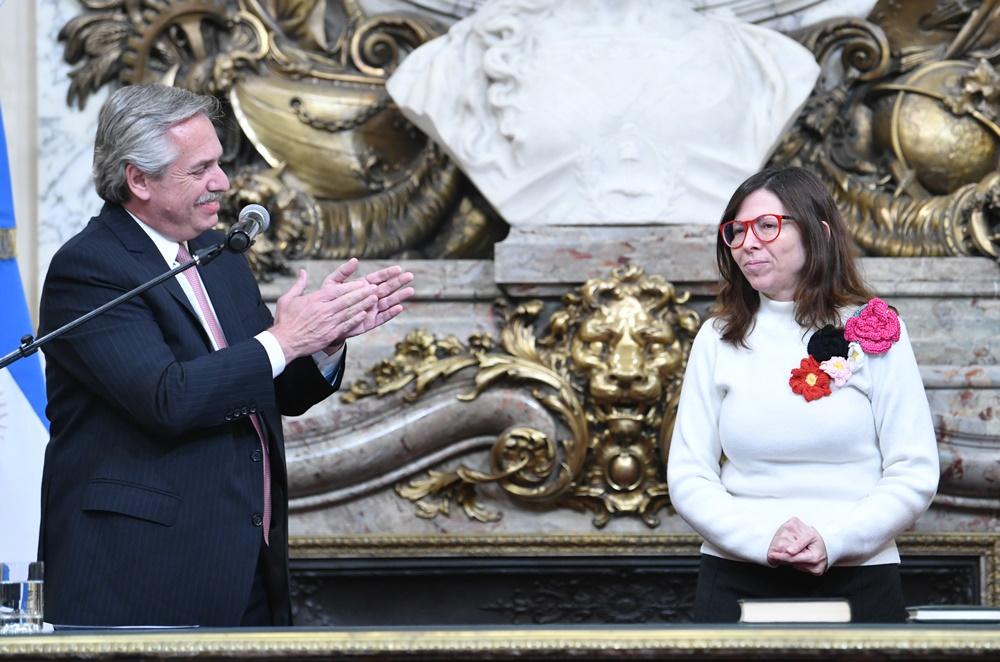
(829, 279)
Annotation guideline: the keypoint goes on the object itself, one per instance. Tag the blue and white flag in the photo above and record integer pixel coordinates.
(23, 426)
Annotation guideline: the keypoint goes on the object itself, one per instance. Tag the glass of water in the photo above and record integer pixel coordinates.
(21, 603)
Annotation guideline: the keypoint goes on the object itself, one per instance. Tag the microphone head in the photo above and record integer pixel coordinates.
(258, 214)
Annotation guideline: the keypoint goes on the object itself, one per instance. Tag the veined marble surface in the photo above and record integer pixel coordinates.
(65, 139)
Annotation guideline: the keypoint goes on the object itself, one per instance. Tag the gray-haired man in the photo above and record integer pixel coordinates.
(164, 497)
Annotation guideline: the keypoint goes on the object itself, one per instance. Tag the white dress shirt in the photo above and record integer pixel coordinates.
(327, 364)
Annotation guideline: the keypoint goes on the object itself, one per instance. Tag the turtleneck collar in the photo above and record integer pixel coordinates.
(772, 307)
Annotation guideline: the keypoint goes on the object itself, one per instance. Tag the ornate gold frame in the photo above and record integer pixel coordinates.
(985, 546)
(569, 642)
(661, 642)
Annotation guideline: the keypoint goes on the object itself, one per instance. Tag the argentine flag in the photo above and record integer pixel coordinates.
(23, 426)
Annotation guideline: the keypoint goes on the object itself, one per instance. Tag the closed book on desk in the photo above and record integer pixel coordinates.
(834, 610)
(953, 614)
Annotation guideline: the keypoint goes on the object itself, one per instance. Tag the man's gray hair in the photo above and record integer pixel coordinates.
(132, 128)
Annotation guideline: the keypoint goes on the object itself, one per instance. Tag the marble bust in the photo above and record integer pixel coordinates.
(605, 111)
(781, 15)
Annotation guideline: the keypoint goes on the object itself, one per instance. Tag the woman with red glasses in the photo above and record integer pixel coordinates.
(803, 442)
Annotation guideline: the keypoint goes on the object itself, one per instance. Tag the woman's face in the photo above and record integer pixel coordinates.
(772, 268)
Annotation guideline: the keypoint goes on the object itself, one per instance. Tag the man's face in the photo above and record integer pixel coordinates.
(184, 201)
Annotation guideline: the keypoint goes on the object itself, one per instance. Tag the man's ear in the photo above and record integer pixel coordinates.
(138, 182)
(826, 226)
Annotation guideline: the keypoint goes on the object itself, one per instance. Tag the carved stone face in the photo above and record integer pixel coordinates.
(609, 369)
(629, 355)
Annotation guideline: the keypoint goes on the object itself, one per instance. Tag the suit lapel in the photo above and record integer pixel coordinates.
(149, 260)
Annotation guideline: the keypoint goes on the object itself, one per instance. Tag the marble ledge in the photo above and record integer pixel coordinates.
(557, 255)
(541, 261)
(434, 280)
(545, 262)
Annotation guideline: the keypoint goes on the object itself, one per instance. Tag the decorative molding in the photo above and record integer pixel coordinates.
(391, 546)
(609, 368)
(512, 643)
(985, 546)
(628, 595)
(907, 139)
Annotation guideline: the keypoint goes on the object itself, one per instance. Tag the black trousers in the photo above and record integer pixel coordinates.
(874, 591)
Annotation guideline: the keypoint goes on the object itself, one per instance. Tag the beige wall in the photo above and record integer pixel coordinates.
(17, 95)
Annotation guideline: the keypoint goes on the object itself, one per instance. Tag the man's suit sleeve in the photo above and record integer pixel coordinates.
(302, 385)
(149, 362)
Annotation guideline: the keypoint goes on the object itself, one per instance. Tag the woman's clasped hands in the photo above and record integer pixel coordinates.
(799, 545)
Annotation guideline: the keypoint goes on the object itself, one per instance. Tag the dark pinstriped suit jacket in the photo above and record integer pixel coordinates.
(151, 481)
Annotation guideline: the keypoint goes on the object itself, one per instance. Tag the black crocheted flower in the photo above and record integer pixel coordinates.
(827, 342)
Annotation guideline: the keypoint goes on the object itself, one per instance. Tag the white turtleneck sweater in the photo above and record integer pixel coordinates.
(747, 454)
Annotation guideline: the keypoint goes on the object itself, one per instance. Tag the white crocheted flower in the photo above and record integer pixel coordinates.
(855, 356)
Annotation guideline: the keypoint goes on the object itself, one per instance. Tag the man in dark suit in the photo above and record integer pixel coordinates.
(164, 495)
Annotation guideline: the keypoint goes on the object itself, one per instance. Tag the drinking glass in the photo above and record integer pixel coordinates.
(21, 602)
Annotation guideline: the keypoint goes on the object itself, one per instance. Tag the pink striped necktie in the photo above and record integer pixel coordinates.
(183, 257)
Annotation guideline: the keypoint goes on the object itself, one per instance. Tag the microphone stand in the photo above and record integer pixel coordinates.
(29, 345)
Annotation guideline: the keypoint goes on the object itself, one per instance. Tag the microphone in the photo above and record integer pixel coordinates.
(253, 220)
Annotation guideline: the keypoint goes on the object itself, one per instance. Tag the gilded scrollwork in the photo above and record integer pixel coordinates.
(907, 138)
(314, 135)
(609, 369)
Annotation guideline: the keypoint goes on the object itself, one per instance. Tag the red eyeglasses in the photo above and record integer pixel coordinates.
(766, 228)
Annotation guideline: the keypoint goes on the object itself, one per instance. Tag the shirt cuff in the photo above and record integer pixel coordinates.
(329, 364)
(274, 352)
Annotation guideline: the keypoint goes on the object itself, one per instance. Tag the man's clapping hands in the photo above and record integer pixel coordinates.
(307, 322)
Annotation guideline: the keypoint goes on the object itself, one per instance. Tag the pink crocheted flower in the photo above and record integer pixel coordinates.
(837, 368)
(875, 327)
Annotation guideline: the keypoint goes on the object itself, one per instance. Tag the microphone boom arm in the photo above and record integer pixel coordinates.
(29, 345)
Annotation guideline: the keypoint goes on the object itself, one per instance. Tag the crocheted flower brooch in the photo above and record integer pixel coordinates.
(835, 354)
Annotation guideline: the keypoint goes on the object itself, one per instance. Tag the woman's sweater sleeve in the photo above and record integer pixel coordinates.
(910, 464)
(694, 466)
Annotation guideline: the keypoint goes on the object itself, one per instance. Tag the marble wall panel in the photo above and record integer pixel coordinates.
(66, 197)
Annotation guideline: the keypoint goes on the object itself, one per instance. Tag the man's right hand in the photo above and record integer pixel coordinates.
(306, 323)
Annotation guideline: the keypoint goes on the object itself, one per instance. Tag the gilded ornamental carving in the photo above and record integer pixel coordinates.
(904, 129)
(907, 138)
(310, 133)
(609, 368)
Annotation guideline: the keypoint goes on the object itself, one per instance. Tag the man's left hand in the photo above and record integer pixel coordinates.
(391, 289)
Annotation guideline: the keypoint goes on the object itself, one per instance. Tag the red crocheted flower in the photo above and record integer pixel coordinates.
(809, 380)
(875, 327)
